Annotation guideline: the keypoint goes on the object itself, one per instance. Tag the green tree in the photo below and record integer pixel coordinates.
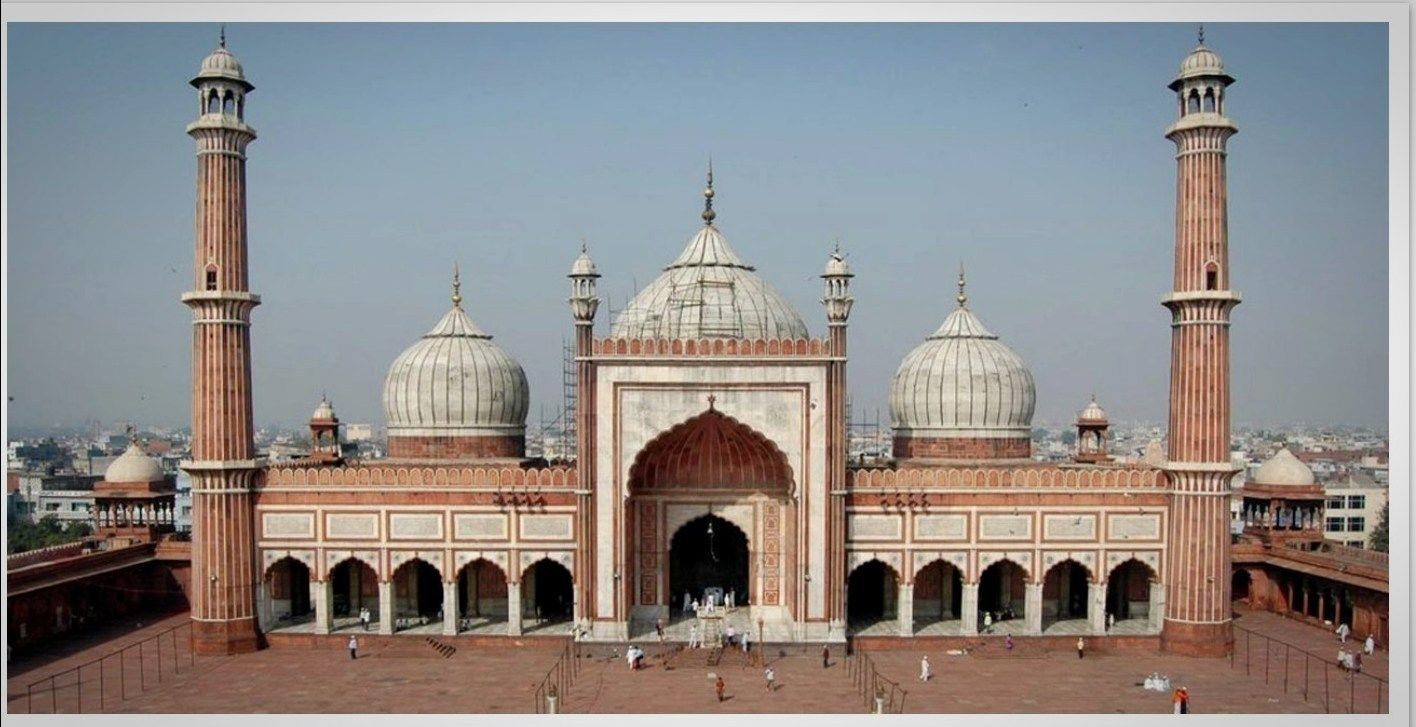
(25, 535)
(1378, 540)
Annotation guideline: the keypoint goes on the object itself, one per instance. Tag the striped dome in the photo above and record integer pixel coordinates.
(962, 383)
(455, 382)
(709, 292)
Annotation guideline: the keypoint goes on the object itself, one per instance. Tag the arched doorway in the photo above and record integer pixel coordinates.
(354, 586)
(711, 471)
(938, 600)
(287, 594)
(1065, 589)
(1130, 597)
(709, 555)
(481, 597)
(547, 594)
(1239, 585)
(871, 593)
(417, 597)
(1002, 592)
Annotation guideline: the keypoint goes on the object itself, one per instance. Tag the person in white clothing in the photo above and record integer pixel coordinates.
(687, 602)
(1342, 632)
(746, 637)
(1370, 645)
(693, 642)
(924, 668)
(353, 647)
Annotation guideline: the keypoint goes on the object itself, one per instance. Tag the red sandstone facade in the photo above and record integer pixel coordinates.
(748, 432)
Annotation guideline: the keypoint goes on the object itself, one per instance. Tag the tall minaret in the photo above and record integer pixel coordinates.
(583, 304)
(1197, 616)
(223, 465)
(838, 301)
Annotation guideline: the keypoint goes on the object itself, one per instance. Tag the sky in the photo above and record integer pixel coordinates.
(1032, 153)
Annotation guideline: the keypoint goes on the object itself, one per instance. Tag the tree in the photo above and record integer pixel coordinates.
(25, 535)
(1378, 539)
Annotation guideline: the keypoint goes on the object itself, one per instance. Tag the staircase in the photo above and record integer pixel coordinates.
(445, 650)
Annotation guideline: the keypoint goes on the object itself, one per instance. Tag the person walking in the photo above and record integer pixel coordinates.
(659, 629)
(1177, 702)
(693, 642)
(1184, 700)
(771, 679)
(719, 686)
(1110, 621)
(987, 621)
(1008, 641)
(1081, 648)
(353, 646)
(924, 668)
(746, 637)
(364, 617)
(825, 656)
(1370, 646)
(1342, 632)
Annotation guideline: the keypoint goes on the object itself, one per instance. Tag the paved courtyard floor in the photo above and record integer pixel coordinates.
(408, 675)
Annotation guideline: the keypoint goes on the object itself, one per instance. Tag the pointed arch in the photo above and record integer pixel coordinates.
(711, 451)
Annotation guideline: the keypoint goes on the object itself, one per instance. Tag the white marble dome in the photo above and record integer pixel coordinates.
(1093, 412)
(962, 382)
(1283, 468)
(709, 292)
(134, 466)
(222, 64)
(455, 382)
(325, 410)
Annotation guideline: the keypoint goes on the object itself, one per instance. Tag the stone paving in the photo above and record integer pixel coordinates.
(407, 675)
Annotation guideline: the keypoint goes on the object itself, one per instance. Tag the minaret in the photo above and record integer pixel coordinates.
(223, 464)
(838, 301)
(583, 305)
(1197, 615)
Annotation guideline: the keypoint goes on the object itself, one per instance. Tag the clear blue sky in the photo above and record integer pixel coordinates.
(1033, 152)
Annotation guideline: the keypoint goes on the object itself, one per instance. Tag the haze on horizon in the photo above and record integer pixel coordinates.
(1034, 153)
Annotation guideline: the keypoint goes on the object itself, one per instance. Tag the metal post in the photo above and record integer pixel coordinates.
(1352, 694)
(80, 686)
(123, 674)
(1287, 656)
(102, 686)
(1267, 649)
(142, 666)
(1326, 692)
(1246, 652)
(1307, 661)
(53, 697)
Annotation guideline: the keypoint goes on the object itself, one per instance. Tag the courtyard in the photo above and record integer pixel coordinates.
(412, 674)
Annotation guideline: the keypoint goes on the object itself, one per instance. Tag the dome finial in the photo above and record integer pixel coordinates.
(456, 286)
(222, 39)
(1202, 34)
(962, 297)
(132, 434)
(708, 213)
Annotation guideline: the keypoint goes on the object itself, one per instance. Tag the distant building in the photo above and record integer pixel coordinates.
(358, 433)
(1354, 507)
(65, 497)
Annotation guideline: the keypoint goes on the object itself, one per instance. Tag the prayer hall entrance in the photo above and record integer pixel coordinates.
(709, 516)
(708, 560)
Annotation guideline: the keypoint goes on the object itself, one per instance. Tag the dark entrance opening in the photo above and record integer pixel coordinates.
(1128, 590)
(552, 594)
(709, 552)
(355, 586)
(1065, 590)
(418, 590)
(870, 593)
(290, 582)
(1239, 586)
(1001, 591)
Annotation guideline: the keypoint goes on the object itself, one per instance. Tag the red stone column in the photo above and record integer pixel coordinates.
(1198, 563)
(223, 466)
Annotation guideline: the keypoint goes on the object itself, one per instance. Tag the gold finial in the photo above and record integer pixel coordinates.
(962, 298)
(223, 36)
(584, 246)
(708, 213)
(1202, 33)
(456, 286)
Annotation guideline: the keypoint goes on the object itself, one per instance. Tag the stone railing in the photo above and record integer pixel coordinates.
(1008, 477)
(746, 348)
(396, 475)
(42, 555)
(1342, 553)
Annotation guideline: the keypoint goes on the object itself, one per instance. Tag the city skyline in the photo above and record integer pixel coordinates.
(981, 164)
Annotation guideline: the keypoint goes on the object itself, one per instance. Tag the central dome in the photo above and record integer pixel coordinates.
(709, 292)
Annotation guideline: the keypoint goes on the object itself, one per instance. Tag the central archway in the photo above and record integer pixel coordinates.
(709, 553)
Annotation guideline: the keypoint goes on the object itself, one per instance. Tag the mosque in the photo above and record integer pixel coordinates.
(711, 458)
